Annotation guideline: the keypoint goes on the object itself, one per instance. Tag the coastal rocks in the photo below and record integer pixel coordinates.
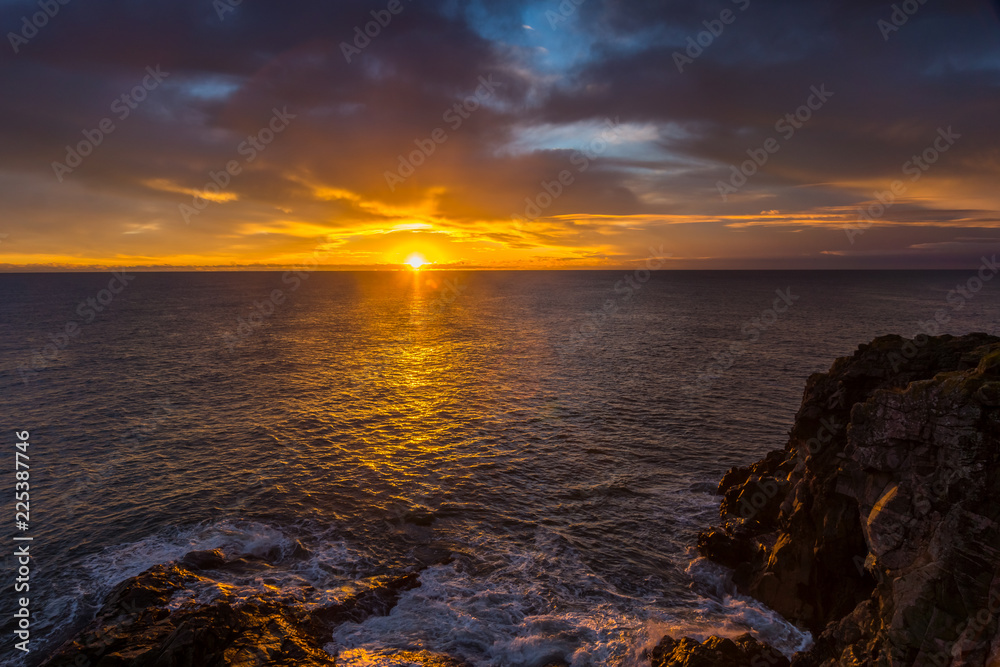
(147, 622)
(878, 526)
(204, 560)
(743, 651)
(137, 627)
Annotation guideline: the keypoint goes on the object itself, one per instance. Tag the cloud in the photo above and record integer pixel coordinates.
(322, 182)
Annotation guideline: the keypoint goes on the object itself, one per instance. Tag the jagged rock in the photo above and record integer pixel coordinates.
(724, 548)
(877, 526)
(375, 601)
(204, 560)
(139, 626)
(744, 651)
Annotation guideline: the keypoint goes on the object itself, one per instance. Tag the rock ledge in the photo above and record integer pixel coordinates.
(876, 527)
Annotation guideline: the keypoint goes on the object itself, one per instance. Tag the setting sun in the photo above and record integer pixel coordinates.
(415, 261)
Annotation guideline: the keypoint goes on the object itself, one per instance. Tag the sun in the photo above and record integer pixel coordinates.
(415, 261)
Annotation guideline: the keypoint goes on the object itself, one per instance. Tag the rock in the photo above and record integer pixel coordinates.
(419, 518)
(878, 525)
(375, 601)
(136, 627)
(141, 624)
(204, 560)
(743, 651)
(724, 548)
(735, 477)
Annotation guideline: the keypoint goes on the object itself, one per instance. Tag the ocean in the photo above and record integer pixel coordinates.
(543, 447)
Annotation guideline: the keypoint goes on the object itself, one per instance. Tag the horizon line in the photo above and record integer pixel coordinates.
(88, 270)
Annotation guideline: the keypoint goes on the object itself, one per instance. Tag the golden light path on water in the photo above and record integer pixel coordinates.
(419, 371)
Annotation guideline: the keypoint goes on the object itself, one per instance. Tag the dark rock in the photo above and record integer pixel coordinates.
(204, 560)
(426, 659)
(135, 627)
(419, 518)
(139, 626)
(724, 548)
(557, 662)
(878, 526)
(744, 651)
(734, 477)
(375, 601)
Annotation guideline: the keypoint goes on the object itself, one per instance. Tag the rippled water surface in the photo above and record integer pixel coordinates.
(548, 485)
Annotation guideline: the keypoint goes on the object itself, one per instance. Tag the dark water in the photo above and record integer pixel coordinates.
(385, 421)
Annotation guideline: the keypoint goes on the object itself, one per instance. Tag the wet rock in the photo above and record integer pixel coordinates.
(419, 518)
(144, 624)
(724, 548)
(137, 626)
(878, 526)
(557, 662)
(204, 560)
(375, 601)
(743, 651)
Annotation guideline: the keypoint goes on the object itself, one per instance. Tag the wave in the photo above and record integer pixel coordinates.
(498, 601)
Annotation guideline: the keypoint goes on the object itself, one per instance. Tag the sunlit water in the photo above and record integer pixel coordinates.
(549, 486)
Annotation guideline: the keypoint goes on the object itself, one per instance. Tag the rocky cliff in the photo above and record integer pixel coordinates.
(876, 527)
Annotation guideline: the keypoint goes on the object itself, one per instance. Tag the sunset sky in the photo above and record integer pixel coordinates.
(614, 98)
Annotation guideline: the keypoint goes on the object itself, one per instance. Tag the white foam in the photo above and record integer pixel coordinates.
(526, 609)
(510, 604)
(732, 614)
(234, 538)
(536, 605)
(313, 581)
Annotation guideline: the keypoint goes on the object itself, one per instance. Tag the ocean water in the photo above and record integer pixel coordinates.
(542, 447)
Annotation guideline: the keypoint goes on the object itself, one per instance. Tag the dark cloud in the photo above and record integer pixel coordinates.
(605, 59)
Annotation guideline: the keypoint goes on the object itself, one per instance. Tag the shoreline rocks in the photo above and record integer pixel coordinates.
(877, 527)
(743, 651)
(143, 624)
